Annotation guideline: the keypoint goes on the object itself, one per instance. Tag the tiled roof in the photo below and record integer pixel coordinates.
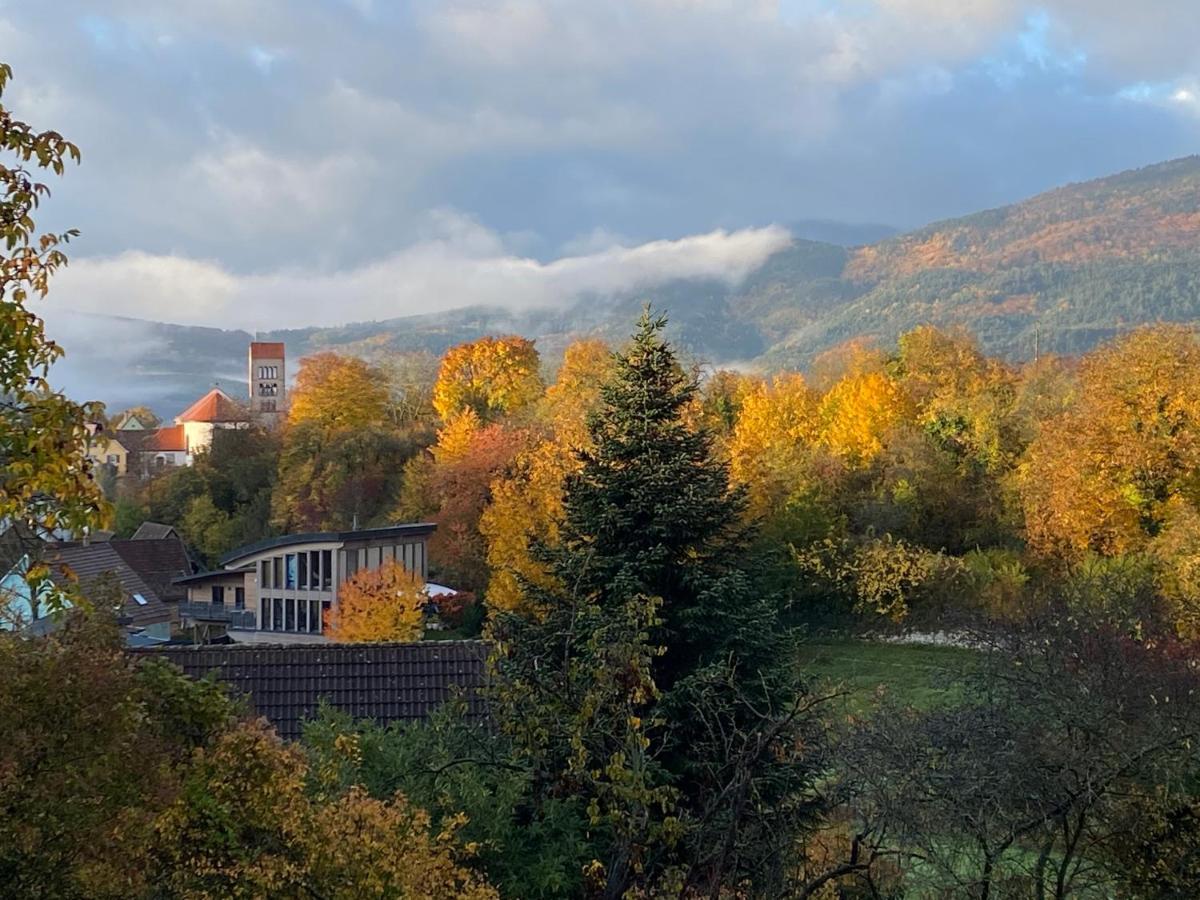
(158, 562)
(169, 439)
(153, 531)
(382, 682)
(266, 350)
(92, 560)
(215, 406)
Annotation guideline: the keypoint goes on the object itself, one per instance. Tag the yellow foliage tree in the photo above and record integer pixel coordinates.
(962, 397)
(858, 356)
(772, 441)
(858, 413)
(493, 376)
(1101, 476)
(245, 827)
(384, 604)
(456, 435)
(339, 392)
(526, 504)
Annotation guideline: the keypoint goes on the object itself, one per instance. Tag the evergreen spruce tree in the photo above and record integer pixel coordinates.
(657, 683)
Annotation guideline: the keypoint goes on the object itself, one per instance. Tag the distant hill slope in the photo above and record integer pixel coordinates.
(1075, 265)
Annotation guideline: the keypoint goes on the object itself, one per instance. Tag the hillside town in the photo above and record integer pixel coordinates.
(279, 591)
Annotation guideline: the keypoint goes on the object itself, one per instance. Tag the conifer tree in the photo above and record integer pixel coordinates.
(656, 681)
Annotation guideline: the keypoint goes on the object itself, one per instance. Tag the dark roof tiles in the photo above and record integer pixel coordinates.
(382, 682)
(90, 562)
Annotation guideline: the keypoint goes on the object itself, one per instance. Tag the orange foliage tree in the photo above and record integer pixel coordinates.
(245, 826)
(492, 376)
(339, 392)
(1102, 476)
(384, 604)
(458, 483)
(526, 502)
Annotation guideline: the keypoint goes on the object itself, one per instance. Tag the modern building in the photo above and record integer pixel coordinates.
(280, 589)
(267, 379)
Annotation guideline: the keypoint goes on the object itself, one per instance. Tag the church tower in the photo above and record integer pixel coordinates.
(268, 387)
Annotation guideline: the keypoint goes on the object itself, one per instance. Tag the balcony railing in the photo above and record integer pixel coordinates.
(240, 619)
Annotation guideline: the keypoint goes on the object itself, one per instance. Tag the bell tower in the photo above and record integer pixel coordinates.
(268, 385)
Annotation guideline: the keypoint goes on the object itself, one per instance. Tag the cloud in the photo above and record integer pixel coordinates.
(460, 264)
(314, 136)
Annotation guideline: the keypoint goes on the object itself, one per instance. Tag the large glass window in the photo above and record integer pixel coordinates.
(303, 564)
(314, 616)
(264, 574)
(277, 568)
(290, 610)
(218, 594)
(239, 598)
(302, 615)
(314, 570)
(326, 570)
(289, 577)
(277, 614)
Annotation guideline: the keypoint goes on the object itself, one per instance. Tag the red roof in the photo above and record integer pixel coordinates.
(166, 439)
(215, 406)
(266, 350)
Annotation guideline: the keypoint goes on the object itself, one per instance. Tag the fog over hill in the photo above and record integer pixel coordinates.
(1077, 265)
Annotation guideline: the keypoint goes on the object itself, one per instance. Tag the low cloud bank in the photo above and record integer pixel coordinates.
(461, 264)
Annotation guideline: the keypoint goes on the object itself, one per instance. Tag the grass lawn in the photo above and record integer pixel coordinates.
(921, 676)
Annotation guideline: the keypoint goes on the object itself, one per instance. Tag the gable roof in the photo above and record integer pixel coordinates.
(382, 682)
(89, 562)
(158, 562)
(166, 440)
(215, 406)
(152, 531)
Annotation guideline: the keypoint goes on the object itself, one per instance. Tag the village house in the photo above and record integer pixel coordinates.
(108, 450)
(138, 575)
(146, 452)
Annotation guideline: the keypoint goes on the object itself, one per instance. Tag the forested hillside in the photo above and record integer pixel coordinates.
(1062, 272)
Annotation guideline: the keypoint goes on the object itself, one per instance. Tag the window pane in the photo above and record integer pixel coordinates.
(264, 577)
(314, 616)
(218, 594)
(289, 578)
(302, 615)
(277, 578)
(326, 570)
(290, 609)
(239, 598)
(277, 609)
(303, 563)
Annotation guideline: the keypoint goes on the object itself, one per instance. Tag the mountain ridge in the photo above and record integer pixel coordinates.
(1073, 265)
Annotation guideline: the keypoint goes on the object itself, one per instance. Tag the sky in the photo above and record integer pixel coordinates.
(269, 163)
